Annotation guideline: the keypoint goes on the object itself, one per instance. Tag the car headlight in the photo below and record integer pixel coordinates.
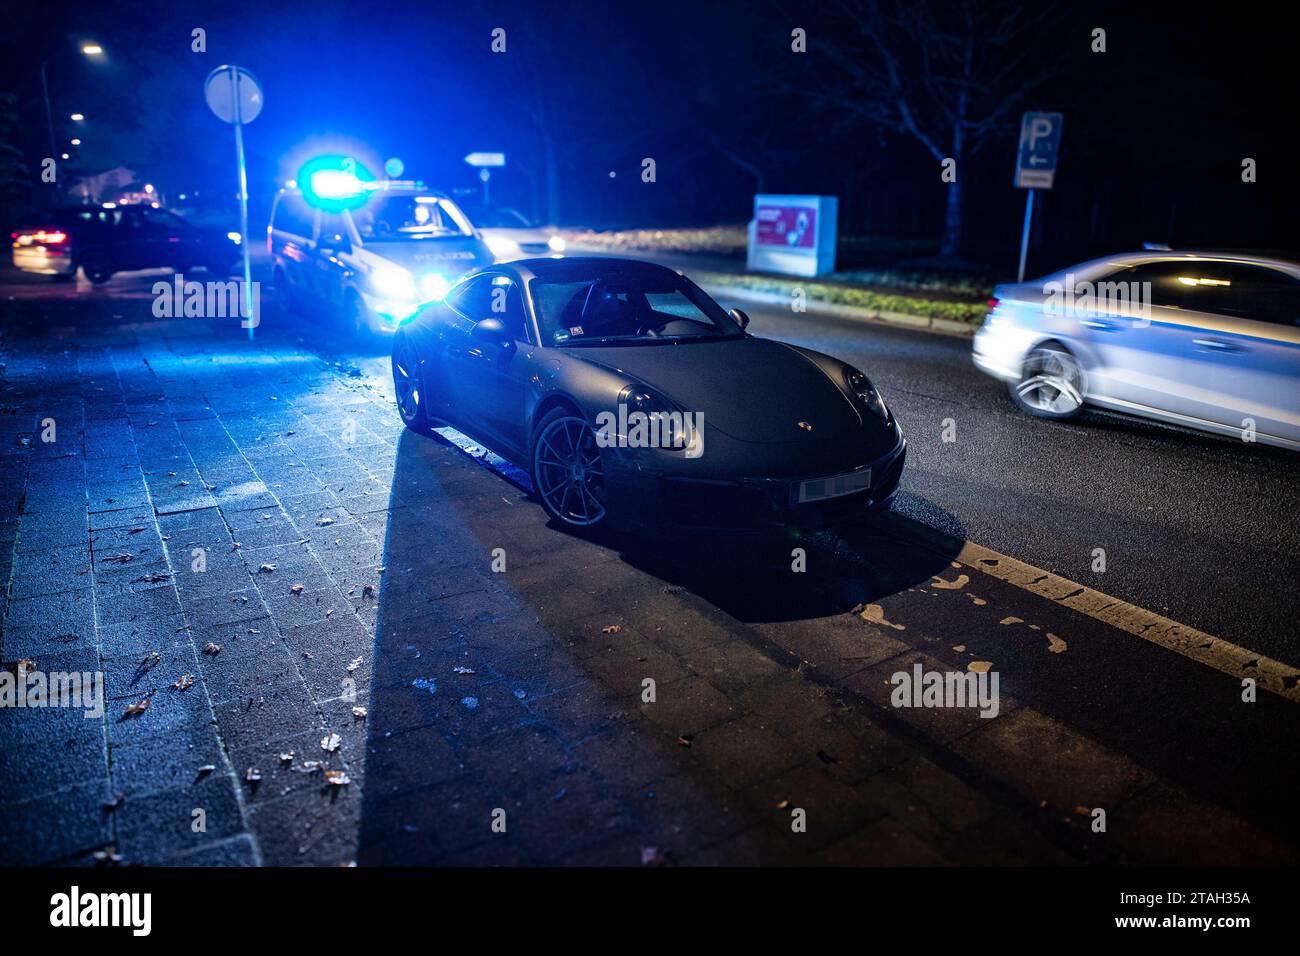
(868, 394)
(556, 244)
(676, 427)
(434, 286)
(393, 283)
(502, 245)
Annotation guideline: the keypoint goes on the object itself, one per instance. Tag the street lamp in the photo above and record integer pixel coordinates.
(76, 117)
(88, 49)
(75, 142)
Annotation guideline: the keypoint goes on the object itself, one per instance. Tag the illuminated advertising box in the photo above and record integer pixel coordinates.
(794, 235)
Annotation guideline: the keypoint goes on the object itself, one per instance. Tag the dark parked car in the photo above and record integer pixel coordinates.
(102, 240)
(635, 400)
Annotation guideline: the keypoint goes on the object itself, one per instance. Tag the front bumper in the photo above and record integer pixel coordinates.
(658, 503)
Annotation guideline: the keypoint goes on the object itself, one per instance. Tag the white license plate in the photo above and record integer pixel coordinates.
(819, 489)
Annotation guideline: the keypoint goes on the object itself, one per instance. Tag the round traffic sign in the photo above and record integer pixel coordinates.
(233, 94)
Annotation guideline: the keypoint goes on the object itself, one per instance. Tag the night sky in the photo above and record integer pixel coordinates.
(1155, 128)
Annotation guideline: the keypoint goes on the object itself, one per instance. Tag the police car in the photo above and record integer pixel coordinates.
(374, 264)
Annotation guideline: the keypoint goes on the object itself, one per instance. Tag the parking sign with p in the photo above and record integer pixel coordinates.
(1040, 138)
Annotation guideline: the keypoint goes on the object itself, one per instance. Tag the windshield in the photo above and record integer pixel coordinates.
(627, 310)
(409, 219)
(497, 217)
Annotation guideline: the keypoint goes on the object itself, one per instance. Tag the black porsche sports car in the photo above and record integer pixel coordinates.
(636, 401)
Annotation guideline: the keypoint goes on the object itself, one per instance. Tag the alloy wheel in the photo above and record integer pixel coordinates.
(1051, 383)
(568, 471)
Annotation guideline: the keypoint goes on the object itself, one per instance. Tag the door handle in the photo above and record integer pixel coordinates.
(1216, 345)
(1100, 325)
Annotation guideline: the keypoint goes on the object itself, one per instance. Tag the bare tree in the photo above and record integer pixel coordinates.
(950, 74)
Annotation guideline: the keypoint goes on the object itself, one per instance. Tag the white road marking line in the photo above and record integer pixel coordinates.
(1274, 676)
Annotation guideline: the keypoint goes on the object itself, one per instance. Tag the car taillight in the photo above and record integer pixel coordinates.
(993, 304)
(40, 237)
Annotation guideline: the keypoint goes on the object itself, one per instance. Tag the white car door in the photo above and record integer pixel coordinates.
(1251, 344)
(1140, 334)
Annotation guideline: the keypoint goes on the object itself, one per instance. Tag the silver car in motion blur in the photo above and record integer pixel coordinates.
(1210, 341)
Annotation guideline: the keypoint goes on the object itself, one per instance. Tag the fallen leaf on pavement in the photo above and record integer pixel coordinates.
(296, 589)
(139, 707)
(330, 742)
(253, 775)
(359, 713)
(266, 569)
(337, 778)
(213, 649)
(184, 682)
(356, 662)
(611, 629)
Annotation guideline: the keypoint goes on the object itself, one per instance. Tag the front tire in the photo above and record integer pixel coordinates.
(360, 318)
(568, 471)
(408, 383)
(1051, 384)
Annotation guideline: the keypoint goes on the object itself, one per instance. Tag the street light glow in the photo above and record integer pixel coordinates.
(92, 49)
(76, 142)
(76, 117)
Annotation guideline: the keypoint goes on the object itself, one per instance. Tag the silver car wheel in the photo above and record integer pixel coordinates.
(1051, 382)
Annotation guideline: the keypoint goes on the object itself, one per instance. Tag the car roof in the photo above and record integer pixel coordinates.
(1121, 260)
(577, 268)
(403, 190)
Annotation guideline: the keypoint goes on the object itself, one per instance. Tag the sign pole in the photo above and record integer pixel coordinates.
(1024, 236)
(250, 320)
(225, 90)
(1040, 141)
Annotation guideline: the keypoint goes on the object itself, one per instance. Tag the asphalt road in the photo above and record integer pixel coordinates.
(1197, 528)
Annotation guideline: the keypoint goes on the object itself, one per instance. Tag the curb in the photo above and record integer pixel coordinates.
(850, 312)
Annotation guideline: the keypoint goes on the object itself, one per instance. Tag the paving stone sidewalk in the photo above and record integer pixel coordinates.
(308, 657)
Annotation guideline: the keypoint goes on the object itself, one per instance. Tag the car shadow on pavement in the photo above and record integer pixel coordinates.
(485, 708)
(791, 576)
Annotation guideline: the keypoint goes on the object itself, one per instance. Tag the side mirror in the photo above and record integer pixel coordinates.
(334, 242)
(742, 319)
(492, 332)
